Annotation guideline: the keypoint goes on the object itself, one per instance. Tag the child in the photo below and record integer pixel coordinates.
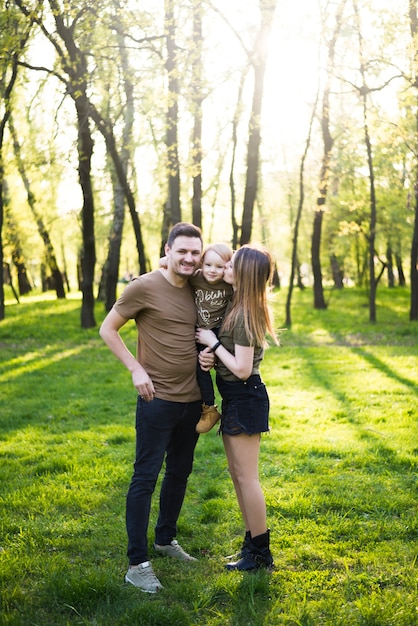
(212, 295)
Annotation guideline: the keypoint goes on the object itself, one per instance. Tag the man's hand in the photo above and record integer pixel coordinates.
(206, 359)
(143, 384)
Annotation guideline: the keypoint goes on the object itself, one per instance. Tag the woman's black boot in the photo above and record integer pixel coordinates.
(245, 544)
(256, 556)
(244, 547)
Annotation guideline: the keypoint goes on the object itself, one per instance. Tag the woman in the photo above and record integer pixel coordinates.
(245, 403)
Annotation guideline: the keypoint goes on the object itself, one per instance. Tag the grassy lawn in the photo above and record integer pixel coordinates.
(338, 468)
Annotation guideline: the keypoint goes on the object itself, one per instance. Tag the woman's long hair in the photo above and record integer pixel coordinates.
(253, 269)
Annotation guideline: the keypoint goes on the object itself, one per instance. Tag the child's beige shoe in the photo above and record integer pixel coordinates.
(210, 415)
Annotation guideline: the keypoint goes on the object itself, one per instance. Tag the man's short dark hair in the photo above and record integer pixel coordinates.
(183, 229)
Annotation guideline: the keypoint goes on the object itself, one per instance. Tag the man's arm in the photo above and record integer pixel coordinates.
(109, 332)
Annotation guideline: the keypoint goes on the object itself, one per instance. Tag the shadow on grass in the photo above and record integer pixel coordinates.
(383, 367)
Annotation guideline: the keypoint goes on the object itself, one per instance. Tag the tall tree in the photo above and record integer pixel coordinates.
(413, 310)
(110, 272)
(294, 265)
(235, 122)
(50, 257)
(172, 209)
(74, 63)
(14, 240)
(364, 92)
(14, 34)
(105, 126)
(197, 99)
(319, 300)
(259, 61)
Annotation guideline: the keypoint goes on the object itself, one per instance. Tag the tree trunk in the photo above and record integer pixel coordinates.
(391, 276)
(112, 265)
(65, 275)
(337, 273)
(23, 282)
(275, 281)
(6, 93)
(299, 278)
(2, 303)
(8, 279)
(57, 279)
(294, 260)
(172, 207)
(75, 66)
(197, 100)
(105, 128)
(88, 257)
(399, 267)
(373, 220)
(319, 300)
(413, 310)
(110, 274)
(267, 8)
(382, 271)
(18, 257)
(235, 123)
(364, 91)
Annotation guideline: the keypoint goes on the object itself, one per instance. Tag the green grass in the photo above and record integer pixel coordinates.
(338, 469)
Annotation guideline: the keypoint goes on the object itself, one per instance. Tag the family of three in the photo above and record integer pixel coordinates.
(169, 417)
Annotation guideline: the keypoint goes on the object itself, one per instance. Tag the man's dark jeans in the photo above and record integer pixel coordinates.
(163, 429)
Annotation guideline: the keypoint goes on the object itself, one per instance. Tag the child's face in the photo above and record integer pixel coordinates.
(213, 267)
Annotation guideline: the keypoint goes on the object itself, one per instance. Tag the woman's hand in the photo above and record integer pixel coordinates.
(206, 337)
(206, 359)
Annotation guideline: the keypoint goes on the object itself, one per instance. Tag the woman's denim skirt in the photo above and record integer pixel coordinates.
(245, 406)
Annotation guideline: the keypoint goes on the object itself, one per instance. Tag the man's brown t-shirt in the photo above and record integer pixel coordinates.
(166, 319)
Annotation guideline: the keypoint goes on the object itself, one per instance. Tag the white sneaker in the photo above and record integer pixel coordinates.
(175, 550)
(143, 577)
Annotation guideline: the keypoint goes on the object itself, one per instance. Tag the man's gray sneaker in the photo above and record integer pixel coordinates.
(143, 577)
(175, 550)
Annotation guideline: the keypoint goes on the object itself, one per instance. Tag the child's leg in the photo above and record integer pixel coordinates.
(204, 380)
(210, 414)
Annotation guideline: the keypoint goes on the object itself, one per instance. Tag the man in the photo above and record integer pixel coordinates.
(169, 401)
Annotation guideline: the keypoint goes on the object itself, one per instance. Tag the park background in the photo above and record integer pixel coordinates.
(289, 124)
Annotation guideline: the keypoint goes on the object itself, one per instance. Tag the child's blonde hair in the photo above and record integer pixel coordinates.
(224, 251)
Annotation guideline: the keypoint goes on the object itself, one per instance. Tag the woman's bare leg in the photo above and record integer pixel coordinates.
(242, 452)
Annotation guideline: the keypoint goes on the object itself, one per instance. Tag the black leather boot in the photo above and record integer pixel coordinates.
(245, 544)
(256, 556)
(244, 547)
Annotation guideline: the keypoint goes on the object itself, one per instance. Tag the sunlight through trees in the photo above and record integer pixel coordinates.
(208, 112)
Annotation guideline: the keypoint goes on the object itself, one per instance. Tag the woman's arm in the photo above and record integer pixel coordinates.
(240, 364)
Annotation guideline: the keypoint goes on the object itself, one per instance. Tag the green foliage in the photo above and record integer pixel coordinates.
(46, 123)
(338, 470)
